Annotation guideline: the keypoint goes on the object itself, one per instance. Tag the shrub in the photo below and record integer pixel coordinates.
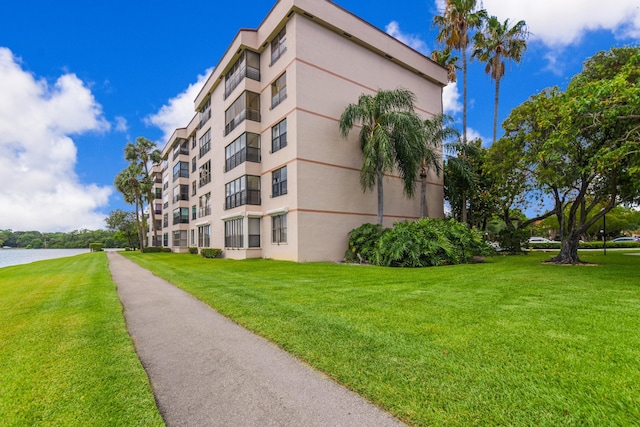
(422, 243)
(96, 247)
(193, 250)
(362, 242)
(211, 252)
(154, 249)
(513, 240)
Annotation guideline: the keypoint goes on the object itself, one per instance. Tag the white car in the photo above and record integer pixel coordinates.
(539, 240)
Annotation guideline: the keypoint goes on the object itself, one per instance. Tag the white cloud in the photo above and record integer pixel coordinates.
(180, 109)
(451, 99)
(414, 42)
(121, 124)
(562, 23)
(40, 189)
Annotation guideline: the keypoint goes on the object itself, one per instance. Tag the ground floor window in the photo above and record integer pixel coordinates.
(204, 236)
(279, 229)
(180, 238)
(233, 234)
(165, 239)
(254, 232)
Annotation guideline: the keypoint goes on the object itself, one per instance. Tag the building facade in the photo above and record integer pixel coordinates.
(262, 170)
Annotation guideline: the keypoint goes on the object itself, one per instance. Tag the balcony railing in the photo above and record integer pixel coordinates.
(246, 114)
(204, 211)
(246, 197)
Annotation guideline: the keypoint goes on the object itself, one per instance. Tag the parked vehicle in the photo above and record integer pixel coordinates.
(539, 240)
(627, 239)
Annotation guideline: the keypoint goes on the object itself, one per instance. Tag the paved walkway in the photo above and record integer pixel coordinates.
(206, 370)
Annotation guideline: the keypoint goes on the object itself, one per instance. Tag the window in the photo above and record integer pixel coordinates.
(181, 170)
(205, 205)
(180, 192)
(194, 142)
(193, 188)
(254, 232)
(205, 112)
(279, 90)
(246, 147)
(279, 229)
(278, 45)
(158, 208)
(247, 106)
(181, 216)
(193, 164)
(165, 238)
(165, 182)
(165, 221)
(181, 147)
(233, 237)
(165, 201)
(205, 143)
(193, 237)
(247, 65)
(158, 192)
(194, 212)
(205, 173)
(204, 236)
(158, 225)
(180, 238)
(279, 182)
(279, 136)
(242, 191)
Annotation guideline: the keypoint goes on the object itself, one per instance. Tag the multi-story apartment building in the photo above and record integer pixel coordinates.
(262, 170)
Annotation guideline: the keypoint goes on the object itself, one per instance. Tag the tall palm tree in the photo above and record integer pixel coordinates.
(144, 153)
(127, 182)
(448, 61)
(437, 130)
(391, 138)
(458, 19)
(495, 43)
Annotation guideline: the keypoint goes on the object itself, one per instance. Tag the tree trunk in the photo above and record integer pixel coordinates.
(464, 91)
(463, 207)
(495, 110)
(138, 224)
(423, 195)
(569, 252)
(380, 197)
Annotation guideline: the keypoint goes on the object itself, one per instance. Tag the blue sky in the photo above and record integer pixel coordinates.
(79, 80)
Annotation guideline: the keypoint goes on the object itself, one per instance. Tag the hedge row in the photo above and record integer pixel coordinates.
(586, 245)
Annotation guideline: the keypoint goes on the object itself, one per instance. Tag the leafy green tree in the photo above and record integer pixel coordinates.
(497, 42)
(459, 18)
(579, 147)
(123, 223)
(144, 154)
(391, 138)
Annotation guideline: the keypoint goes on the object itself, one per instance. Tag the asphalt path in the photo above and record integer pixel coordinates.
(205, 370)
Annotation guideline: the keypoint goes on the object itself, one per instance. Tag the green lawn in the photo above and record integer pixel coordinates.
(65, 356)
(508, 342)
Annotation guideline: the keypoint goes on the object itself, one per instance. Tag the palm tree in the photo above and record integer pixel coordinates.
(460, 176)
(437, 130)
(144, 153)
(459, 17)
(391, 138)
(497, 42)
(448, 61)
(127, 182)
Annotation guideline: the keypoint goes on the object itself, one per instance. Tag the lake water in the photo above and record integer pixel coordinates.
(24, 256)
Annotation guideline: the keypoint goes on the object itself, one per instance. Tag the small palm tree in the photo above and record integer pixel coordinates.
(448, 61)
(437, 130)
(499, 41)
(458, 19)
(391, 138)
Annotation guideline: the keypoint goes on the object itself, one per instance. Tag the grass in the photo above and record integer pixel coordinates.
(66, 358)
(508, 342)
